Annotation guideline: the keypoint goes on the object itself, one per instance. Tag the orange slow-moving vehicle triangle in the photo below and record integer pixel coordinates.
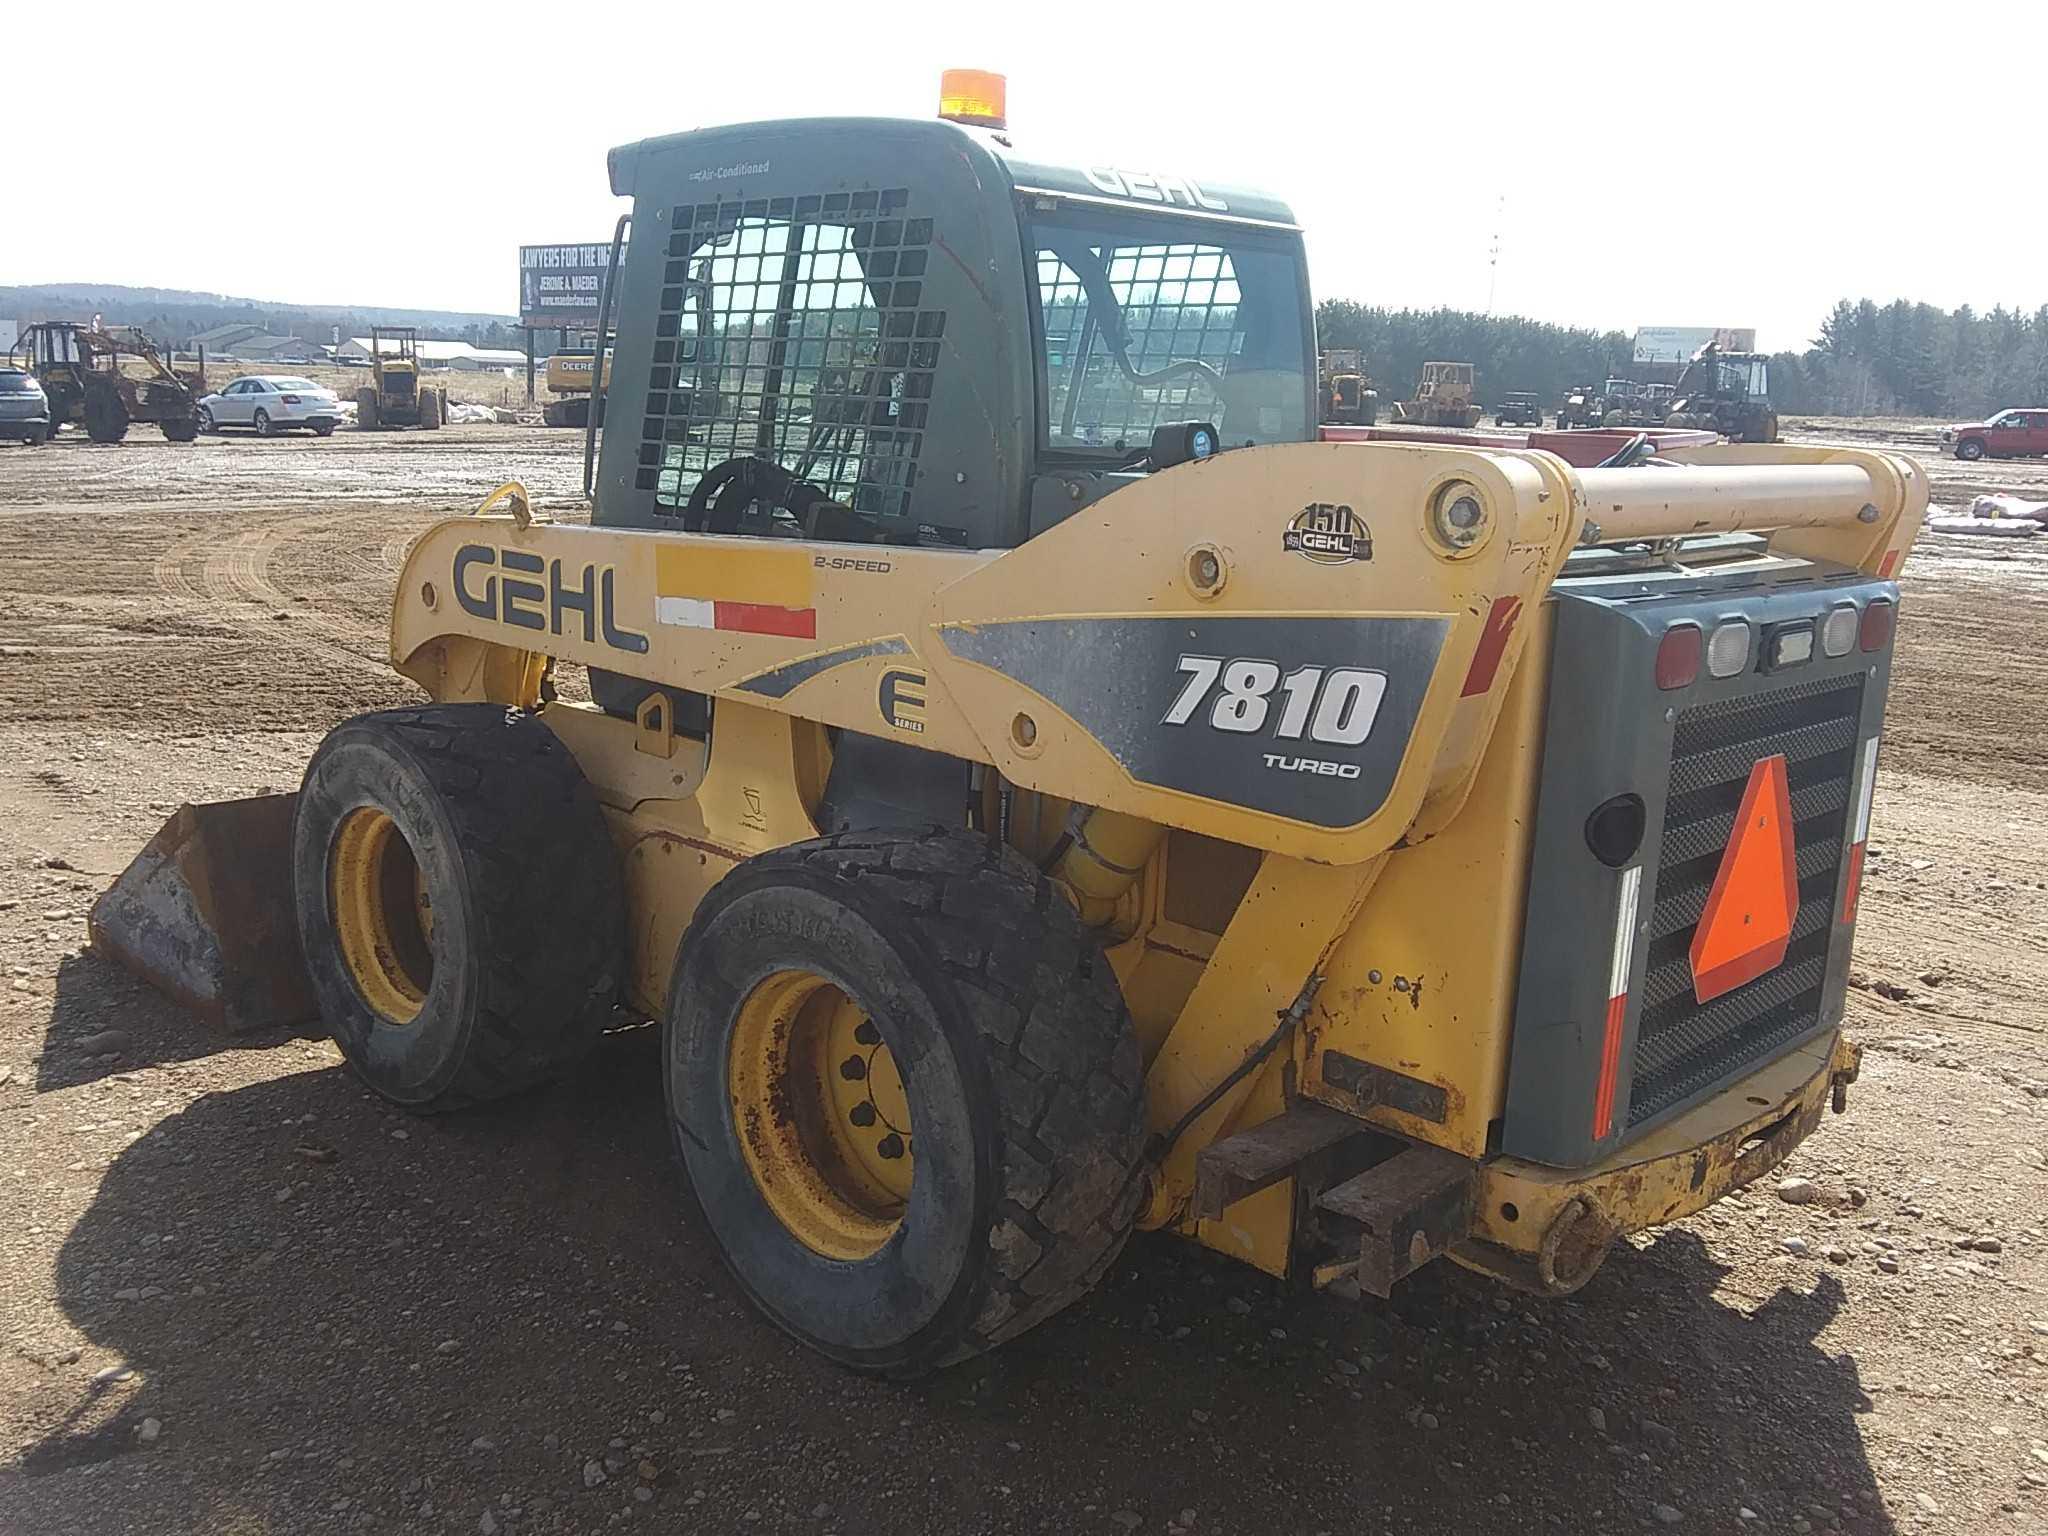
(1747, 924)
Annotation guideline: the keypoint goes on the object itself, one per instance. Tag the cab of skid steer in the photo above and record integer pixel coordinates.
(960, 345)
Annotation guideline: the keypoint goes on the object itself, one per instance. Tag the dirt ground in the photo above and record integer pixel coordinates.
(239, 1295)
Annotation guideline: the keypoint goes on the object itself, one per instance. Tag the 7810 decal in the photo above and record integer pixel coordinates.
(1334, 706)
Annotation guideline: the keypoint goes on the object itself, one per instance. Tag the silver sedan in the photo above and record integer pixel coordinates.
(269, 403)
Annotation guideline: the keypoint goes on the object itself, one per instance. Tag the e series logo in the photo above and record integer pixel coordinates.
(902, 698)
(512, 599)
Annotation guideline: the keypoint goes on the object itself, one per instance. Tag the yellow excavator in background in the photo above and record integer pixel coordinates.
(570, 379)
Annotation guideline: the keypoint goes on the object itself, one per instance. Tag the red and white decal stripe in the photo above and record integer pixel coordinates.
(741, 618)
(1617, 998)
(1866, 785)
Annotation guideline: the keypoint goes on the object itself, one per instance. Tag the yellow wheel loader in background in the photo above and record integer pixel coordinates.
(1040, 789)
(397, 396)
(1444, 397)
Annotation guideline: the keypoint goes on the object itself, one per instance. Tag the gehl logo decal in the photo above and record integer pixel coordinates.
(1329, 533)
(589, 595)
(1154, 187)
(902, 699)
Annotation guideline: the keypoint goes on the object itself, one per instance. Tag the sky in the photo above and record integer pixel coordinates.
(1664, 164)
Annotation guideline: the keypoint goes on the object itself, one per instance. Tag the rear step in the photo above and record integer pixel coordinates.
(1408, 1209)
(1228, 1170)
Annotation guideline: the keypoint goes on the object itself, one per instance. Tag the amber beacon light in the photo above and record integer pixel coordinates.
(973, 96)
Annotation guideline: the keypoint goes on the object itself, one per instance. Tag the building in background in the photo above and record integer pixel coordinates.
(439, 354)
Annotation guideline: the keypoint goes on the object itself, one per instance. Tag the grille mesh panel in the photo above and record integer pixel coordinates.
(1684, 1047)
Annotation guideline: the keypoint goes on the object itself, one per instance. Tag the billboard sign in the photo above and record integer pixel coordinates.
(559, 285)
(1677, 343)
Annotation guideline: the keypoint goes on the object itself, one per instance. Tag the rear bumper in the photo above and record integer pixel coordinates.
(21, 428)
(1546, 1229)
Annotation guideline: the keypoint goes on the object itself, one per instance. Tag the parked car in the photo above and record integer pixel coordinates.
(271, 403)
(24, 408)
(2010, 434)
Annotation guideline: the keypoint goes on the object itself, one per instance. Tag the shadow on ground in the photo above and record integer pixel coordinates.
(476, 1311)
(105, 1021)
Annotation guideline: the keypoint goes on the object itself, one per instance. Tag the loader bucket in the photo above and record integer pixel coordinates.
(205, 914)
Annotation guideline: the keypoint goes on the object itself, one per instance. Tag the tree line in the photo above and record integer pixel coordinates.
(171, 317)
(1867, 359)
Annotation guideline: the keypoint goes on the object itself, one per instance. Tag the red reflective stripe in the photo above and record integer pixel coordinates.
(1493, 644)
(1854, 888)
(1619, 963)
(766, 619)
(1610, 1059)
(1888, 564)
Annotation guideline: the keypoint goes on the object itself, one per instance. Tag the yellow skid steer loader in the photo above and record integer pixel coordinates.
(1042, 789)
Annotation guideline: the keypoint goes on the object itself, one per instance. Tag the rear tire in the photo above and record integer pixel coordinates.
(1021, 1095)
(324, 429)
(106, 418)
(459, 902)
(430, 410)
(261, 422)
(366, 410)
(181, 431)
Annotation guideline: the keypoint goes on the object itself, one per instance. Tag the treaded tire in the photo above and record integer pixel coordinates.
(106, 417)
(1022, 1073)
(430, 409)
(366, 411)
(528, 930)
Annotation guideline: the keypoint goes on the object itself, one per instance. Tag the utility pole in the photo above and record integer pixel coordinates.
(1493, 251)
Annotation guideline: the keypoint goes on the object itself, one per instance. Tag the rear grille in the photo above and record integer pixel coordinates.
(1684, 1047)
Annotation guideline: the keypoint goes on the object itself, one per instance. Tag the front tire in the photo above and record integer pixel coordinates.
(1970, 448)
(106, 418)
(903, 1081)
(206, 420)
(459, 902)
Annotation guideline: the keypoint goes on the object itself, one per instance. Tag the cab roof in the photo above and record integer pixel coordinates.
(1158, 189)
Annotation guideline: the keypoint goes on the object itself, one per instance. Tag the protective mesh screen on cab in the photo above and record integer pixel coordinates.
(794, 329)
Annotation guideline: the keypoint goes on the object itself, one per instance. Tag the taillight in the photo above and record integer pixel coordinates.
(1678, 656)
(291, 399)
(1878, 620)
(1728, 649)
(1838, 630)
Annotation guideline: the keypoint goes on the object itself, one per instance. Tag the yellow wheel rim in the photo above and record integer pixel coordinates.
(383, 916)
(823, 1121)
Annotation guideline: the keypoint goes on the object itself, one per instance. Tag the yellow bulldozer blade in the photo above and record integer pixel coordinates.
(205, 914)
